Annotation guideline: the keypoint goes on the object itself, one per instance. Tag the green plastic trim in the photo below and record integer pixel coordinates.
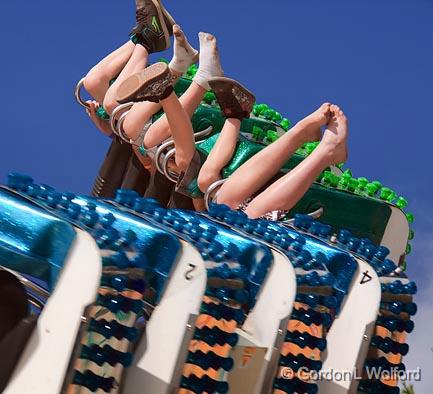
(368, 220)
(370, 190)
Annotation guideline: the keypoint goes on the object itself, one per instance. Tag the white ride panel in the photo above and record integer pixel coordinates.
(350, 334)
(396, 234)
(275, 303)
(43, 364)
(266, 326)
(157, 355)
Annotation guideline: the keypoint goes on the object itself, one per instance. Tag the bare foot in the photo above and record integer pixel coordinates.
(312, 123)
(335, 137)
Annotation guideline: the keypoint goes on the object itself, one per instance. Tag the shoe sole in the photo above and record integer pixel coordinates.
(160, 9)
(141, 82)
(167, 15)
(219, 85)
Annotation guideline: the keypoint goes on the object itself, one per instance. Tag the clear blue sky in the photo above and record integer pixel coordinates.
(372, 57)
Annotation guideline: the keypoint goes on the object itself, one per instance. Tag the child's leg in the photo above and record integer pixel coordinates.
(152, 33)
(160, 130)
(258, 170)
(98, 78)
(154, 84)
(288, 190)
(236, 103)
(181, 131)
(220, 154)
(140, 113)
(209, 67)
(136, 63)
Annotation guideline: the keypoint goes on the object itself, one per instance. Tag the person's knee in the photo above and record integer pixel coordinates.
(93, 82)
(131, 127)
(152, 137)
(205, 180)
(110, 104)
(156, 134)
(225, 197)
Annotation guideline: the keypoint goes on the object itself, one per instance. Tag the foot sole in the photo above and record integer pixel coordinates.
(142, 84)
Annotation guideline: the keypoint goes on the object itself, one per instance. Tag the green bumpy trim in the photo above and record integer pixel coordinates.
(363, 187)
(373, 190)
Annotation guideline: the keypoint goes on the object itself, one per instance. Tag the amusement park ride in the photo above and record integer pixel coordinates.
(115, 293)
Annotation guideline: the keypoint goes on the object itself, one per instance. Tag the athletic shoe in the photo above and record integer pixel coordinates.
(151, 30)
(168, 19)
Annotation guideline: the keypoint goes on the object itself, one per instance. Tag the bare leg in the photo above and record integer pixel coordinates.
(183, 134)
(210, 66)
(140, 113)
(98, 78)
(154, 83)
(136, 63)
(160, 130)
(138, 116)
(258, 170)
(184, 56)
(288, 190)
(220, 155)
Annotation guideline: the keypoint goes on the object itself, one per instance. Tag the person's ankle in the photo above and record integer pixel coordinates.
(176, 75)
(236, 122)
(326, 152)
(168, 95)
(298, 135)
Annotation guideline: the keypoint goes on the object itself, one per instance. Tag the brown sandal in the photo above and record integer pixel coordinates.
(151, 84)
(234, 99)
